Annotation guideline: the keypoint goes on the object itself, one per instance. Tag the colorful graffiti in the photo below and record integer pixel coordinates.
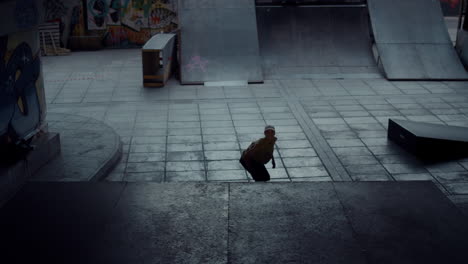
(128, 23)
(161, 17)
(124, 37)
(77, 22)
(134, 17)
(98, 10)
(54, 9)
(21, 106)
(61, 11)
(135, 14)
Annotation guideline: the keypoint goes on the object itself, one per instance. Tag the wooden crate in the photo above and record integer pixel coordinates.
(158, 55)
(49, 36)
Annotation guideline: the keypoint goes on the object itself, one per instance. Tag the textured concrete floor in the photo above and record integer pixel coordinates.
(328, 130)
(322, 222)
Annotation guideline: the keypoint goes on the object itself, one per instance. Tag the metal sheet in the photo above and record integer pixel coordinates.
(306, 41)
(413, 42)
(219, 41)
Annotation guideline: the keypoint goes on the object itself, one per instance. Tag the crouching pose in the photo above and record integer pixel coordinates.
(258, 154)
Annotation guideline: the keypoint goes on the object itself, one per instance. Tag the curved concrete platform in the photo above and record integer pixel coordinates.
(90, 149)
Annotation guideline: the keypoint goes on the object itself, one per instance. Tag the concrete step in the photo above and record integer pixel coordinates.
(326, 222)
(45, 148)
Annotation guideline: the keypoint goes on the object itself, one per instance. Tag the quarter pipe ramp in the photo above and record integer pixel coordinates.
(315, 42)
(413, 42)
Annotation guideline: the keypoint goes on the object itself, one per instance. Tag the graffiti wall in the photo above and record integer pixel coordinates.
(22, 100)
(60, 11)
(128, 23)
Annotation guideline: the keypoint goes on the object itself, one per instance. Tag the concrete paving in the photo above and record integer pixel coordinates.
(328, 129)
(325, 222)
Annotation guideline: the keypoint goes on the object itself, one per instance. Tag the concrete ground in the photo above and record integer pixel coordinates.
(326, 222)
(328, 130)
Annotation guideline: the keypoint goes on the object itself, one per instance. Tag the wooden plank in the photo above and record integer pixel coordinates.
(153, 76)
(49, 27)
(151, 50)
(153, 84)
(167, 71)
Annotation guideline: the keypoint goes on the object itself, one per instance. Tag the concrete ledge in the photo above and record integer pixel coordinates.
(326, 222)
(90, 149)
(46, 147)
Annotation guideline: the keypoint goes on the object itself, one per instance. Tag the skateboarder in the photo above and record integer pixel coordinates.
(258, 154)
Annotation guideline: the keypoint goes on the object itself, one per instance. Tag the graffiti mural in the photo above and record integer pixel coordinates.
(60, 11)
(77, 22)
(125, 37)
(127, 23)
(113, 15)
(160, 16)
(134, 15)
(54, 9)
(97, 14)
(22, 104)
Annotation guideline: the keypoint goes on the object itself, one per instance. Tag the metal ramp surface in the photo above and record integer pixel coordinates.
(413, 42)
(219, 41)
(315, 42)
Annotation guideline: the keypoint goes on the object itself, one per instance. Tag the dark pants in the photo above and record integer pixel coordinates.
(257, 170)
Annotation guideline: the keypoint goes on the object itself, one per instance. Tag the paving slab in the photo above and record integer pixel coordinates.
(404, 223)
(167, 223)
(289, 223)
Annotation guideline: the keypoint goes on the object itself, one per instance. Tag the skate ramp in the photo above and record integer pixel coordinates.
(219, 41)
(413, 42)
(315, 42)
